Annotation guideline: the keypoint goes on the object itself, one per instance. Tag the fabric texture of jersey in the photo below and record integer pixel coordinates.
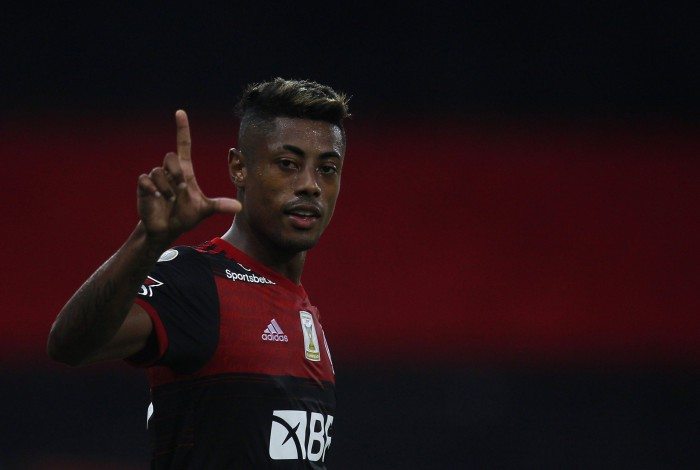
(239, 367)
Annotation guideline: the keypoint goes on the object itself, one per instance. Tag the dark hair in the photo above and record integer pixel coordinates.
(292, 98)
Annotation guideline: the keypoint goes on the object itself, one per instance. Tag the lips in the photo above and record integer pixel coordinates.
(304, 210)
(303, 216)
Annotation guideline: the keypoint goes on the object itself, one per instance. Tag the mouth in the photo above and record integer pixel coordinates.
(303, 216)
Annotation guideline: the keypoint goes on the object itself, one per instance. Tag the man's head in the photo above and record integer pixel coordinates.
(287, 171)
(304, 99)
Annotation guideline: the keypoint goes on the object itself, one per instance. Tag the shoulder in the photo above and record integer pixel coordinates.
(182, 265)
(182, 257)
(182, 278)
(179, 253)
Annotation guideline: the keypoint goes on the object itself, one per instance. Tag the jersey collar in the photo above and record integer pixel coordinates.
(237, 255)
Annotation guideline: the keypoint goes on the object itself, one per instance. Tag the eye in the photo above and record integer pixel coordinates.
(288, 164)
(328, 169)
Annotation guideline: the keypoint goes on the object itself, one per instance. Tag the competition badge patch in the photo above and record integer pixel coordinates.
(311, 347)
(168, 255)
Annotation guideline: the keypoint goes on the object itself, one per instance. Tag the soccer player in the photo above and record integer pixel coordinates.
(239, 368)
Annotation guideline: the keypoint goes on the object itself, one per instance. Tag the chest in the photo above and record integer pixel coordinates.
(266, 329)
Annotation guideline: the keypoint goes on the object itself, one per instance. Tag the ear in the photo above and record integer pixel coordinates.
(237, 167)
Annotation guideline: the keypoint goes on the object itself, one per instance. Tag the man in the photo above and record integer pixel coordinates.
(240, 372)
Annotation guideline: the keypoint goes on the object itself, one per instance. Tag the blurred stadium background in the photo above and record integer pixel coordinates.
(510, 279)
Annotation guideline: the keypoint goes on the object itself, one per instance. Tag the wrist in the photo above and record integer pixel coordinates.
(154, 244)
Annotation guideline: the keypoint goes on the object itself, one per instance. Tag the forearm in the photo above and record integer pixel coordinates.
(94, 314)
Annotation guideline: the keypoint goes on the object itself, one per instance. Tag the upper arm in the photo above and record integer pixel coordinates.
(174, 321)
(131, 338)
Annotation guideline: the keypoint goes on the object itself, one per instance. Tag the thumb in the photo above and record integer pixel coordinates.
(225, 205)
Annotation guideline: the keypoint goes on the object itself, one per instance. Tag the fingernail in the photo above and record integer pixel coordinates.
(157, 194)
(182, 185)
(172, 198)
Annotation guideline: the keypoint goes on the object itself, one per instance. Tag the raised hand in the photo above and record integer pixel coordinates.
(169, 199)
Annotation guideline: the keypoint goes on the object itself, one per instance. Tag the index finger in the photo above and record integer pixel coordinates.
(184, 144)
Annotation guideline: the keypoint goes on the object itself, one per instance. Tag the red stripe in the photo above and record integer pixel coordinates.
(161, 334)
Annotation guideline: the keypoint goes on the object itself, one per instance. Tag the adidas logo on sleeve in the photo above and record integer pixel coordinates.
(274, 332)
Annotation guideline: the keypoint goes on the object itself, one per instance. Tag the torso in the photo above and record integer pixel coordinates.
(266, 395)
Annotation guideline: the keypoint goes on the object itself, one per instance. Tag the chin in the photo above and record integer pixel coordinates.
(297, 244)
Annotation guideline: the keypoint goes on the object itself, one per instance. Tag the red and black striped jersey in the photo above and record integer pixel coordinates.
(240, 371)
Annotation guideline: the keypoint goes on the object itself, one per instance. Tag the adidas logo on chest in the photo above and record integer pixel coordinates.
(274, 332)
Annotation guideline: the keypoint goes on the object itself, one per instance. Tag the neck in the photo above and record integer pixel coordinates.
(289, 265)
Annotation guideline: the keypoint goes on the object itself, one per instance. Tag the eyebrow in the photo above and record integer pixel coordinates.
(301, 153)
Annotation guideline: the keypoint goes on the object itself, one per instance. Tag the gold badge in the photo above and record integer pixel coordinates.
(312, 349)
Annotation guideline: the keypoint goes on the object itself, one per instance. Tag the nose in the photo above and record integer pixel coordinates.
(307, 183)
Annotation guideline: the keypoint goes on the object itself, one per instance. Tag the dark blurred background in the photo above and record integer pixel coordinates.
(510, 279)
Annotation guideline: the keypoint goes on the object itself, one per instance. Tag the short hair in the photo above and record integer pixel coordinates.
(263, 102)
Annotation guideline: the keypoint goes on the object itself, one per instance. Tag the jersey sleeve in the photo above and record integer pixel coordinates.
(181, 298)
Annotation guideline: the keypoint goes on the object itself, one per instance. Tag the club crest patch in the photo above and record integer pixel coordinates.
(312, 350)
(148, 285)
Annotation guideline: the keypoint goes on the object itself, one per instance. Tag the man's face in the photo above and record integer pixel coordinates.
(291, 182)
